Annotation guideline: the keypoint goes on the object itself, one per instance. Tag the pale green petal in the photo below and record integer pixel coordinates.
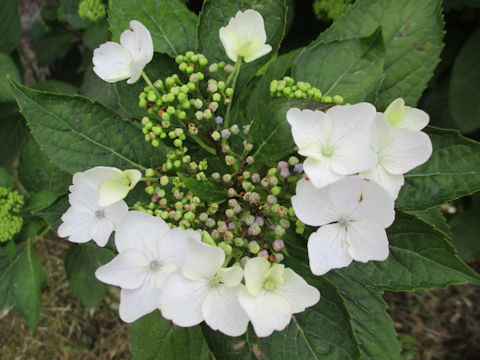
(395, 111)
(254, 274)
(112, 191)
(275, 274)
(231, 276)
(134, 176)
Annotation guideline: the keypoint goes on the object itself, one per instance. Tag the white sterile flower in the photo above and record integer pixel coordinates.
(114, 62)
(272, 293)
(204, 290)
(111, 183)
(406, 117)
(352, 214)
(85, 219)
(398, 152)
(245, 36)
(148, 251)
(335, 143)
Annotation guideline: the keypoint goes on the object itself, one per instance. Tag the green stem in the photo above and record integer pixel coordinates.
(206, 147)
(147, 80)
(40, 236)
(227, 260)
(235, 73)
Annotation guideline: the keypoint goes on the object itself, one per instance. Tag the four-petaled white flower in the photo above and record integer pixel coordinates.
(272, 293)
(398, 151)
(86, 219)
(111, 183)
(148, 252)
(245, 36)
(204, 290)
(406, 117)
(335, 143)
(352, 214)
(114, 62)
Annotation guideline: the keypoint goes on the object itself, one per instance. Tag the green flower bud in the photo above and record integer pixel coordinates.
(221, 85)
(164, 180)
(216, 135)
(229, 91)
(276, 190)
(149, 172)
(150, 190)
(338, 99)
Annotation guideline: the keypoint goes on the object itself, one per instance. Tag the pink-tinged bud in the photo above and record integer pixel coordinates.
(285, 173)
(225, 133)
(249, 220)
(279, 231)
(154, 198)
(225, 148)
(282, 165)
(231, 225)
(215, 234)
(244, 261)
(264, 182)
(163, 202)
(246, 129)
(263, 253)
(255, 178)
(271, 199)
(254, 230)
(298, 168)
(282, 211)
(210, 222)
(232, 203)
(278, 245)
(223, 228)
(229, 213)
(254, 198)
(249, 160)
(231, 192)
(259, 221)
(237, 209)
(272, 180)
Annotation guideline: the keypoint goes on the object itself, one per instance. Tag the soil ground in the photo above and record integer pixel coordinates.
(437, 324)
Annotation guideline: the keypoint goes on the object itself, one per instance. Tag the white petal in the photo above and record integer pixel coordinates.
(351, 156)
(101, 230)
(267, 311)
(116, 212)
(256, 51)
(141, 301)
(138, 42)
(231, 276)
(111, 62)
(254, 274)
(345, 195)
(321, 173)
(395, 111)
(96, 176)
(414, 119)
(309, 126)
(83, 195)
(313, 206)
(76, 225)
(351, 118)
(390, 182)
(222, 311)
(382, 133)
(229, 42)
(408, 150)
(181, 300)
(138, 230)
(202, 261)
(296, 290)
(112, 191)
(127, 270)
(376, 205)
(327, 249)
(367, 241)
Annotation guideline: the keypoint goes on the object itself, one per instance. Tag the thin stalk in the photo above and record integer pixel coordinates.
(147, 80)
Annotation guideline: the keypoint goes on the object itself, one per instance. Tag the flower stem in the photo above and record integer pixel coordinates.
(147, 80)
(235, 73)
(206, 147)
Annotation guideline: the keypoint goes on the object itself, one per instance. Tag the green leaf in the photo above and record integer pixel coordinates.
(270, 132)
(55, 86)
(435, 218)
(464, 90)
(6, 180)
(259, 97)
(421, 257)
(78, 133)
(7, 298)
(12, 132)
(81, 262)
(373, 326)
(453, 171)
(70, 13)
(52, 215)
(412, 33)
(171, 24)
(36, 171)
(217, 13)
(96, 34)
(160, 67)
(26, 280)
(465, 229)
(154, 338)
(53, 46)
(95, 88)
(350, 68)
(7, 67)
(323, 331)
(40, 200)
(9, 26)
(206, 190)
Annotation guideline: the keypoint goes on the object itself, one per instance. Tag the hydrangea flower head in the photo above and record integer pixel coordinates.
(114, 62)
(111, 183)
(148, 252)
(352, 214)
(86, 219)
(335, 143)
(245, 36)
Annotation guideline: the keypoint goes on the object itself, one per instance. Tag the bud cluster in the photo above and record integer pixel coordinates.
(11, 203)
(300, 90)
